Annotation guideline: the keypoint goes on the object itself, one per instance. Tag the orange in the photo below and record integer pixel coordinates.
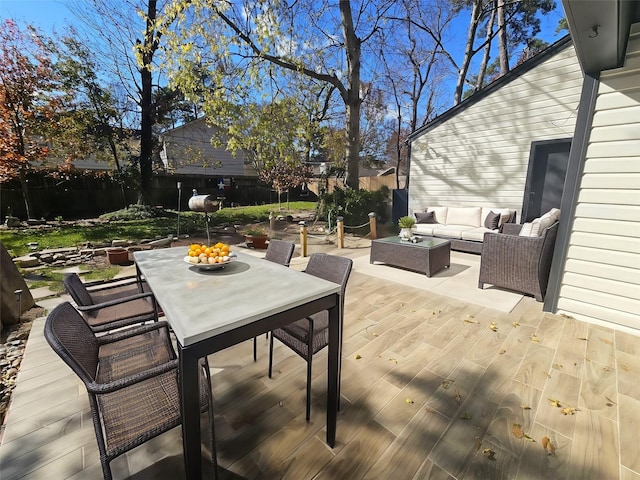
(192, 253)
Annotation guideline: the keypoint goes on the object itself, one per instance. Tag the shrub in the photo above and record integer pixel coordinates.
(354, 206)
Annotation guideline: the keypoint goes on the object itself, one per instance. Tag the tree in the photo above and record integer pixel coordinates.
(283, 176)
(130, 49)
(26, 103)
(272, 34)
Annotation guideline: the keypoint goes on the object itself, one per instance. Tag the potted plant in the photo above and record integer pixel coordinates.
(256, 237)
(406, 223)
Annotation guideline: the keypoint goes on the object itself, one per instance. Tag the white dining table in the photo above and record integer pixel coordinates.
(212, 310)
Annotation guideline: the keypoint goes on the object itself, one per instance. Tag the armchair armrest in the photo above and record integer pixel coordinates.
(101, 388)
(118, 301)
(132, 332)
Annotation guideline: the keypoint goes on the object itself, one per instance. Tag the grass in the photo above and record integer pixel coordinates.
(116, 226)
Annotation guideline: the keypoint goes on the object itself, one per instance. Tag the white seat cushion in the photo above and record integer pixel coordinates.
(469, 216)
(477, 234)
(451, 231)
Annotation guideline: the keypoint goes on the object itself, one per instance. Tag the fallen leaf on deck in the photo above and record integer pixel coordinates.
(527, 437)
(565, 315)
(408, 400)
(525, 407)
(358, 356)
(490, 454)
(582, 338)
(569, 411)
(548, 446)
(515, 324)
(465, 416)
(375, 334)
(607, 341)
(458, 398)
(494, 326)
(478, 441)
(625, 368)
(534, 338)
(516, 429)
(610, 403)
(393, 360)
(446, 384)
(554, 402)
(558, 366)
(502, 351)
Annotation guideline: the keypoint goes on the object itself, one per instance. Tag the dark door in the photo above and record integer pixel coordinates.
(545, 177)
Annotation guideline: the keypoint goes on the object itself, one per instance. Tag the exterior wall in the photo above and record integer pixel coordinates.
(187, 150)
(480, 155)
(601, 276)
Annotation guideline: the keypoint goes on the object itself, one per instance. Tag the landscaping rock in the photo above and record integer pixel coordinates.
(27, 261)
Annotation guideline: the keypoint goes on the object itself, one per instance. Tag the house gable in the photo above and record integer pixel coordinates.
(478, 153)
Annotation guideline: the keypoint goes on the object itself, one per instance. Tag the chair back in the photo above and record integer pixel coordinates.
(332, 268)
(71, 338)
(280, 251)
(74, 286)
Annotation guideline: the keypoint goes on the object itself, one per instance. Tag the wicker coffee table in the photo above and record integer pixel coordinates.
(427, 256)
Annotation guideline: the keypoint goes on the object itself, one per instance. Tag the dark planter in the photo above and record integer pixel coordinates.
(256, 241)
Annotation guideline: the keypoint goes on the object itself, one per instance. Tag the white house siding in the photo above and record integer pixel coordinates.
(480, 155)
(601, 279)
(188, 150)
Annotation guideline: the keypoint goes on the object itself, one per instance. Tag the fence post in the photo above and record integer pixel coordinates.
(372, 225)
(340, 225)
(303, 238)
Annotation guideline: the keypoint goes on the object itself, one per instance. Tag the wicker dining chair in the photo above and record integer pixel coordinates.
(111, 304)
(309, 335)
(131, 378)
(278, 251)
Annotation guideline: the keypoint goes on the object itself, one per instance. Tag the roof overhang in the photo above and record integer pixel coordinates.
(600, 31)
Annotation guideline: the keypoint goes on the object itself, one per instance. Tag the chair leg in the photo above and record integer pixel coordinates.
(212, 428)
(309, 361)
(270, 354)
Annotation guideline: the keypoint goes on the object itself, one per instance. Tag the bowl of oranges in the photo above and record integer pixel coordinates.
(209, 257)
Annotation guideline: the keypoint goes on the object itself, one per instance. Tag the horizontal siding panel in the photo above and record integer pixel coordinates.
(616, 100)
(613, 165)
(623, 213)
(596, 314)
(611, 227)
(610, 257)
(607, 242)
(621, 116)
(611, 272)
(612, 180)
(614, 197)
(617, 83)
(628, 148)
(601, 299)
(616, 132)
(603, 285)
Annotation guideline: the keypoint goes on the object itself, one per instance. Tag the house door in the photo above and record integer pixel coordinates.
(548, 162)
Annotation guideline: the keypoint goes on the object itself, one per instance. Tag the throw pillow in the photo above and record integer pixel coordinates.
(525, 231)
(425, 217)
(492, 220)
(544, 222)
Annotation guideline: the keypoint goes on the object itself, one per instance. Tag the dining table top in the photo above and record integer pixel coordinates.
(201, 304)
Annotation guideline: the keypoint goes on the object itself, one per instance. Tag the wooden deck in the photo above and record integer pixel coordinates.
(431, 388)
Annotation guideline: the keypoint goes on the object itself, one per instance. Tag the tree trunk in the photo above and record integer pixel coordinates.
(502, 39)
(146, 124)
(487, 52)
(468, 51)
(25, 192)
(352, 100)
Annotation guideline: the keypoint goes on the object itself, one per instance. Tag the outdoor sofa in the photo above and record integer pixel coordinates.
(463, 226)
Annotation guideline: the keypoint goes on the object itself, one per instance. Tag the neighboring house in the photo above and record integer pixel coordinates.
(574, 108)
(187, 150)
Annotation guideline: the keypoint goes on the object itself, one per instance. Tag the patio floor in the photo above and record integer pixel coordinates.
(432, 387)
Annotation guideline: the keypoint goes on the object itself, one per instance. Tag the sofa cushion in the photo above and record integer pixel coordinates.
(439, 213)
(469, 216)
(492, 220)
(537, 227)
(425, 217)
(424, 228)
(450, 231)
(476, 234)
(525, 231)
(506, 214)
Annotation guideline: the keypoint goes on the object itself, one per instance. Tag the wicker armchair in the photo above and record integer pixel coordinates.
(112, 304)
(518, 263)
(309, 335)
(278, 251)
(131, 377)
